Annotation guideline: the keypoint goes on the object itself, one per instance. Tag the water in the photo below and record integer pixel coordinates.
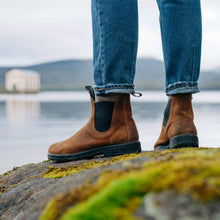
(30, 123)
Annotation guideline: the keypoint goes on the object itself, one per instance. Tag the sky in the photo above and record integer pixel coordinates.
(35, 31)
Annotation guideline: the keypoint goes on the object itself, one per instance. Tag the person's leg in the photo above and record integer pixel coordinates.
(111, 129)
(115, 41)
(181, 30)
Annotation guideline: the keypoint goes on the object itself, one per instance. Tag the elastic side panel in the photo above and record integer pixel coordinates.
(103, 115)
(166, 113)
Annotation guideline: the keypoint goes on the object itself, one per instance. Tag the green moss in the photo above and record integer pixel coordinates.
(15, 168)
(3, 189)
(28, 164)
(25, 196)
(58, 205)
(5, 174)
(194, 172)
(54, 172)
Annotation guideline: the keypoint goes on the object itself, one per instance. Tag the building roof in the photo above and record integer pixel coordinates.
(27, 72)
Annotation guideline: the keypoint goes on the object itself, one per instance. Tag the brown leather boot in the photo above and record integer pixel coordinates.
(178, 129)
(111, 131)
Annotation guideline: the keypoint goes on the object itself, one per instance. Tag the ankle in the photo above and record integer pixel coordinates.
(107, 98)
(182, 96)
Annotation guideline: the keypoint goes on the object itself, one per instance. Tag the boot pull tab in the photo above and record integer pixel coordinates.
(91, 92)
(136, 94)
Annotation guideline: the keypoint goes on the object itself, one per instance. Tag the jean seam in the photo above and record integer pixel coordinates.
(161, 27)
(101, 39)
(183, 85)
(193, 64)
(132, 65)
(115, 87)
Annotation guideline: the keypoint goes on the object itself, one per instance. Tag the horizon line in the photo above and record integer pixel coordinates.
(30, 64)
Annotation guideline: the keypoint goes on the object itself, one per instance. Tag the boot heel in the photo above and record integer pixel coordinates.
(184, 141)
(119, 149)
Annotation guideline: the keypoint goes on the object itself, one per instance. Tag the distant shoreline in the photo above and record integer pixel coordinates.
(82, 90)
(208, 96)
(73, 75)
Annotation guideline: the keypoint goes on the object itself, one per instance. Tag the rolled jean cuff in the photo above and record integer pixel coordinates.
(114, 88)
(182, 87)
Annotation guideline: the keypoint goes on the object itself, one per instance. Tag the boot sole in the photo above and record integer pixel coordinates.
(180, 141)
(107, 151)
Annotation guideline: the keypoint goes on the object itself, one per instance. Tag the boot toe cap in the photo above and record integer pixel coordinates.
(54, 149)
(62, 148)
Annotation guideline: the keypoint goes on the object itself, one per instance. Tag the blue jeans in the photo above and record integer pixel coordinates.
(115, 42)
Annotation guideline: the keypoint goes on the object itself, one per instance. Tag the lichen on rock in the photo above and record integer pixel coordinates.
(60, 172)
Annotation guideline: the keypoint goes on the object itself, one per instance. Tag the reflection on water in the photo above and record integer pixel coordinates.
(27, 128)
(20, 111)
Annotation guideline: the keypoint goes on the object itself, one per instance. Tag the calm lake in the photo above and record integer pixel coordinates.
(30, 123)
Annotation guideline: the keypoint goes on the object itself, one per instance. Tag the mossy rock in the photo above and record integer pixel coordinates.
(118, 194)
(60, 172)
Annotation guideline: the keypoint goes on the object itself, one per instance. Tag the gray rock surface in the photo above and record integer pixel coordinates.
(27, 193)
(169, 206)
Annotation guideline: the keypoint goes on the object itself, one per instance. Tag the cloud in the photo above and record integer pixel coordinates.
(37, 31)
(43, 30)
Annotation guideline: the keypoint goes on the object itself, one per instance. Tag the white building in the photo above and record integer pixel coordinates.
(22, 81)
